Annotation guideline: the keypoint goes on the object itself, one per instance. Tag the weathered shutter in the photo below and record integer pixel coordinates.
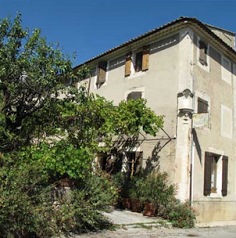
(145, 61)
(134, 95)
(224, 175)
(207, 174)
(102, 67)
(128, 64)
(203, 53)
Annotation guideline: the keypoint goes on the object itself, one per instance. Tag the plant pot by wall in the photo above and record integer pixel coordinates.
(149, 209)
(136, 205)
(126, 203)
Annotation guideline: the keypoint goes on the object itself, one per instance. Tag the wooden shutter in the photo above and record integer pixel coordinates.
(102, 67)
(203, 53)
(145, 61)
(134, 95)
(207, 174)
(128, 64)
(224, 175)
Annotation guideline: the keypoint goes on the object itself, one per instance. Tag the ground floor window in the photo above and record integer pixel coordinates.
(110, 163)
(134, 160)
(215, 174)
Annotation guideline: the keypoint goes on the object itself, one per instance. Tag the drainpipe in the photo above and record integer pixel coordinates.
(192, 150)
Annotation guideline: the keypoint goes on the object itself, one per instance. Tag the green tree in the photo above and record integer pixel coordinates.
(49, 130)
(32, 73)
(38, 103)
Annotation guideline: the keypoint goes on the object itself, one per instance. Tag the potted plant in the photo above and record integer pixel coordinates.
(156, 192)
(135, 193)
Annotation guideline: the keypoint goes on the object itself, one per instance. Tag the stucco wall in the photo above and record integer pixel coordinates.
(173, 67)
(160, 87)
(208, 83)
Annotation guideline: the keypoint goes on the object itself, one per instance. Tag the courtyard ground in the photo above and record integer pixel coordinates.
(135, 225)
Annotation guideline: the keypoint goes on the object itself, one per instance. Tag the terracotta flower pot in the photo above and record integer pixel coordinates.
(136, 206)
(126, 203)
(149, 209)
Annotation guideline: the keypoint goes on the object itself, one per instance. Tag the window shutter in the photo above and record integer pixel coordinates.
(128, 64)
(203, 53)
(134, 95)
(207, 174)
(145, 61)
(224, 175)
(102, 67)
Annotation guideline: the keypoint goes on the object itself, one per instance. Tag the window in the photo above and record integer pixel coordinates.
(214, 160)
(137, 62)
(134, 160)
(134, 95)
(203, 53)
(202, 106)
(215, 174)
(101, 78)
(111, 163)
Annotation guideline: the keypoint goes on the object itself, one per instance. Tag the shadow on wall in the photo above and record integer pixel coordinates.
(153, 163)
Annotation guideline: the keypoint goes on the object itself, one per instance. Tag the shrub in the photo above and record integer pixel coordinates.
(28, 208)
(155, 189)
(180, 214)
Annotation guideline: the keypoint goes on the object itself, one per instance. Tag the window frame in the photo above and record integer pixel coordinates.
(97, 84)
(141, 89)
(207, 66)
(218, 187)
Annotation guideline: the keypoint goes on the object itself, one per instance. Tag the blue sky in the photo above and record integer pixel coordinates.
(90, 27)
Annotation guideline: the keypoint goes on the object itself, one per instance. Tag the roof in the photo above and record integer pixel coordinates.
(221, 29)
(193, 21)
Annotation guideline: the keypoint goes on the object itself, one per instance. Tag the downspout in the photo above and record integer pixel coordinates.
(192, 150)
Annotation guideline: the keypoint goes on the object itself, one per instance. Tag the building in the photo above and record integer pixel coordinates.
(186, 71)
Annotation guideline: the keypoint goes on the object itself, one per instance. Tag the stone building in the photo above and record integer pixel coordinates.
(186, 71)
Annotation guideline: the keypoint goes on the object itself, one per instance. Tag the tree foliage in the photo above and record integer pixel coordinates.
(49, 130)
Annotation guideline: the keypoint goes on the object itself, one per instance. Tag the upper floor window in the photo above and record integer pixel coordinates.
(203, 59)
(203, 53)
(137, 61)
(202, 106)
(134, 95)
(101, 75)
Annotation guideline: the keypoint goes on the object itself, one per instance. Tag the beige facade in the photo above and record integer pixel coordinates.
(198, 100)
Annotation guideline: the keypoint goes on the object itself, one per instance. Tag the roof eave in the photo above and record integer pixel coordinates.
(182, 21)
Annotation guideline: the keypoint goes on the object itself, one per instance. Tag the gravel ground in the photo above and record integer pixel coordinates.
(135, 225)
(138, 232)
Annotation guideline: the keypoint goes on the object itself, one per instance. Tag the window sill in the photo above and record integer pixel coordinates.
(215, 196)
(205, 67)
(134, 75)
